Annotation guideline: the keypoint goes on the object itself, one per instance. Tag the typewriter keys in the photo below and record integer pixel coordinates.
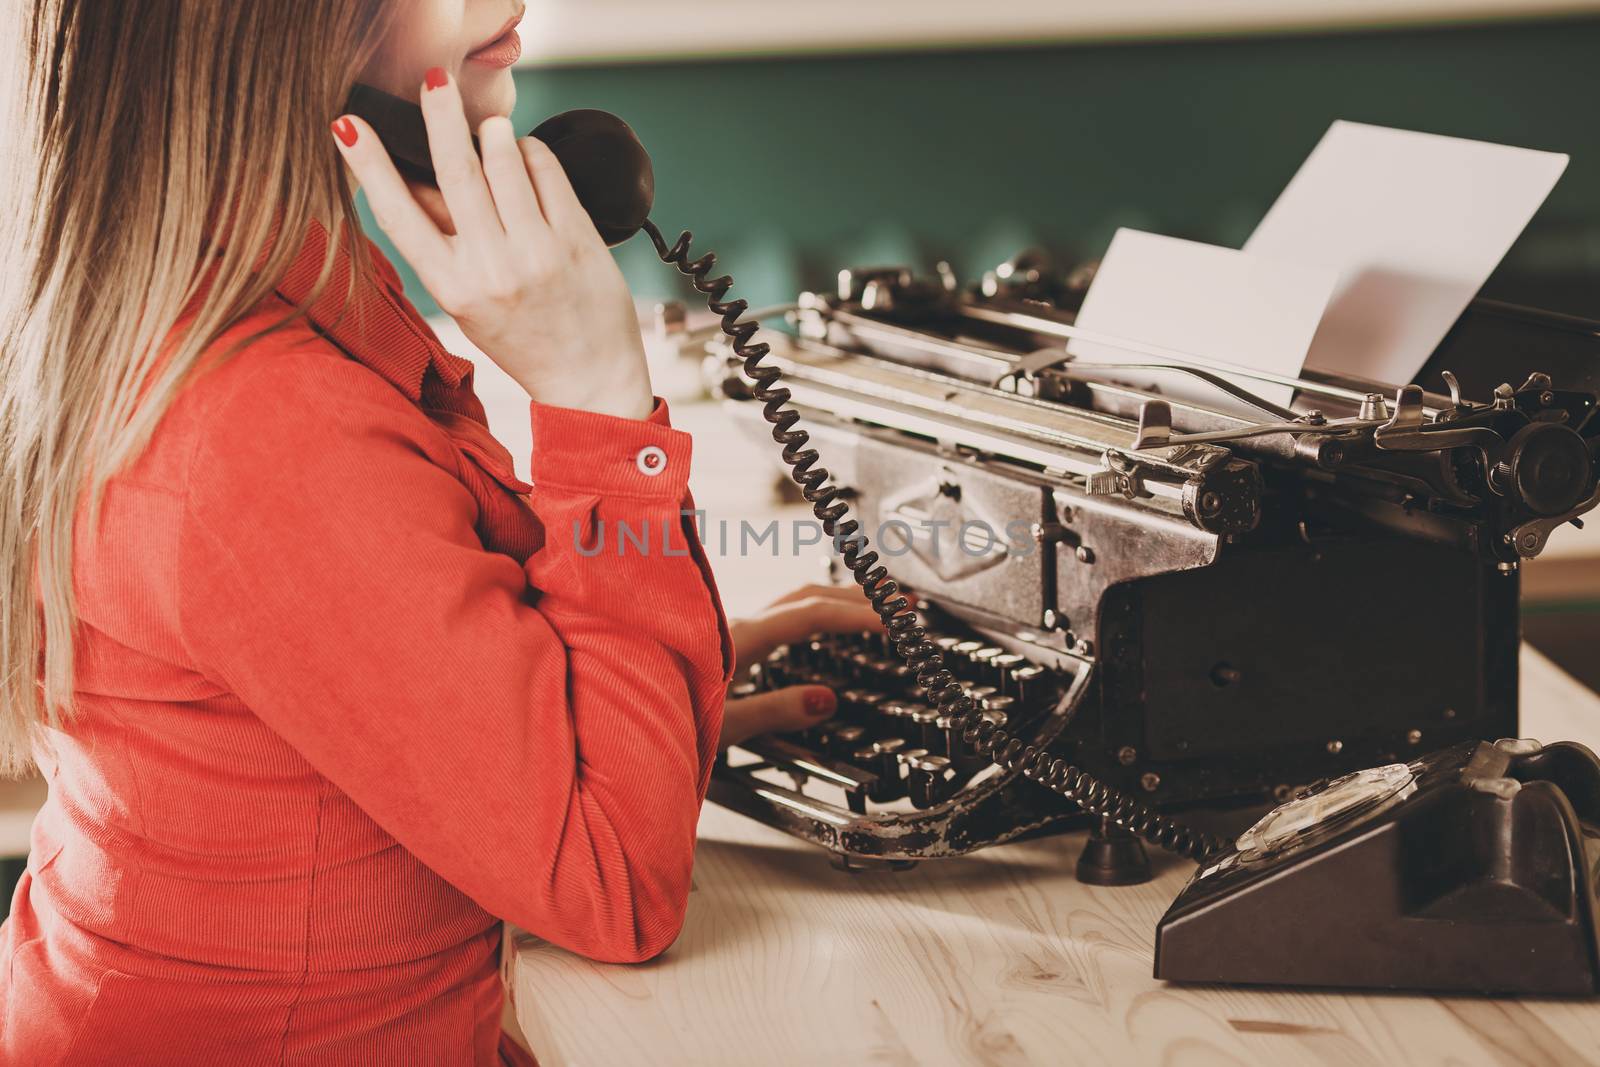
(886, 748)
(926, 722)
(928, 780)
(842, 740)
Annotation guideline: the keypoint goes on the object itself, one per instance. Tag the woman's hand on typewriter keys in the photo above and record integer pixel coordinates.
(808, 610)
(811, 609)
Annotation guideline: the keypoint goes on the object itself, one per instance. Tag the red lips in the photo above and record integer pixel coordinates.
(510, 24)
(501, 52)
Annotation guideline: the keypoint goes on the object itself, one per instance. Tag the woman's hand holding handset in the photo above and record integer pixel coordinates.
(507, 250)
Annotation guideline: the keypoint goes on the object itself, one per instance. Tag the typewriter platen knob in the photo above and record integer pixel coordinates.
(1546, 468)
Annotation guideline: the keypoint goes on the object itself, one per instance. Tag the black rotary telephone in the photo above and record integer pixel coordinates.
(1468, 794)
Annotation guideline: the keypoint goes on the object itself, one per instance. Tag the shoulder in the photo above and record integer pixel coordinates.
(283, 404)
(292, 373)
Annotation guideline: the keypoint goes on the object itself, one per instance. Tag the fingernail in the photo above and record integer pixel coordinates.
(436, 78)
(345, 130)
(820, 703)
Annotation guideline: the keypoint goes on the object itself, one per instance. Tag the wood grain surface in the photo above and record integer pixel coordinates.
(997, 958)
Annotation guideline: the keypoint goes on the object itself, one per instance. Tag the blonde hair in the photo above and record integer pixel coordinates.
(145, 138)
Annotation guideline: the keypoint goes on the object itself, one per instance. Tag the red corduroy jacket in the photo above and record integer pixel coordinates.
(349, 693)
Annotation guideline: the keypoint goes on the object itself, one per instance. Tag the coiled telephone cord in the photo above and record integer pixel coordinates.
(910, 640)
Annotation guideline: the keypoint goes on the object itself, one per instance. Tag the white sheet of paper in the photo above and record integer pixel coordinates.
(1200, 299)
(1413, 224)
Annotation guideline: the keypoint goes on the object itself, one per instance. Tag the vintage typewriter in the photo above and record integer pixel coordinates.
(1192, 604)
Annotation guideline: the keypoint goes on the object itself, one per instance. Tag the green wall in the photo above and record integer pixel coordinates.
(793, 168)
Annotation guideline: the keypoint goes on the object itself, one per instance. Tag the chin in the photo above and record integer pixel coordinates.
(496, 94)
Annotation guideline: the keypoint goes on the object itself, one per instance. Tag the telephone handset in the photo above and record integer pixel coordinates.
(611, 173)
(608, 167)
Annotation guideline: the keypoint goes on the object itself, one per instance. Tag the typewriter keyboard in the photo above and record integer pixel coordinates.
(886, 744)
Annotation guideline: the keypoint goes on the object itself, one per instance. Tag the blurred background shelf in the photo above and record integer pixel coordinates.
(558, 32)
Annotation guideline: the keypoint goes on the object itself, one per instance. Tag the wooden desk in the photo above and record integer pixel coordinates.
(998, 958)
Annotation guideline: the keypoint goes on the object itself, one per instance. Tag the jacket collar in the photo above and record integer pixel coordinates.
(380, 328)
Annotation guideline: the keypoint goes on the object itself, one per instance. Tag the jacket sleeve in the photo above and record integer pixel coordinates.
(539, 736)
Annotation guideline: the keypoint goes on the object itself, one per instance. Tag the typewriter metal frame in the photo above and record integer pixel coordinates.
(1239, 597)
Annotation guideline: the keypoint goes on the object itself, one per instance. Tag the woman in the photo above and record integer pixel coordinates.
(323, 692)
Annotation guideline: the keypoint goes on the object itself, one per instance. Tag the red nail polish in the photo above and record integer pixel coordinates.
(345, 130)
(820, 703)
(435, 78)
